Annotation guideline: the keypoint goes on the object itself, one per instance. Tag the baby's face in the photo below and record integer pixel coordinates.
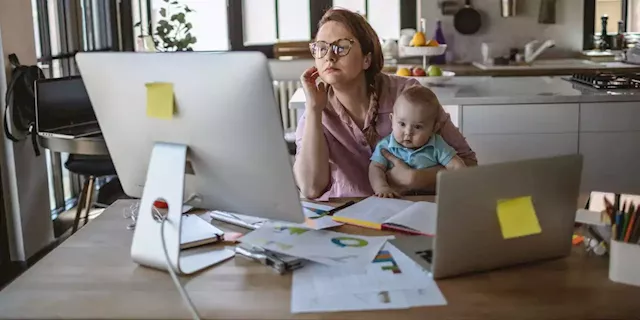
(412, 125)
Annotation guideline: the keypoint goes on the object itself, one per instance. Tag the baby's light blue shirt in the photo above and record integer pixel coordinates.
(435, 151)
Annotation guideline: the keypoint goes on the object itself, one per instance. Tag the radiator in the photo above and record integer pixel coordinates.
(284, 89)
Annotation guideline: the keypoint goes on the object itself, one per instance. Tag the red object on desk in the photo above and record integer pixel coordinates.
(160, 204)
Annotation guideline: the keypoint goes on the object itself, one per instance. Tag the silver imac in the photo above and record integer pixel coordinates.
(223, 147)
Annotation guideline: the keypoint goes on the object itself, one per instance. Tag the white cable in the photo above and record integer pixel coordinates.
(183, 293)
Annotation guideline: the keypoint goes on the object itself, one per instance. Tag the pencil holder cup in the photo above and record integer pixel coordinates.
(624, 263)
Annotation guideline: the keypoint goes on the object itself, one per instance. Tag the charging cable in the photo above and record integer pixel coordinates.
(174, 277)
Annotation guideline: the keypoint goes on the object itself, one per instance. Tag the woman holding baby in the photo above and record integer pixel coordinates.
(364, 132)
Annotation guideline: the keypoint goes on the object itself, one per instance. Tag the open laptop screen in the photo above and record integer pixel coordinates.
(62, 102)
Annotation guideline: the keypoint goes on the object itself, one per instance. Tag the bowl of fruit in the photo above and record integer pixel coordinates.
(420, 46)
(433, 74)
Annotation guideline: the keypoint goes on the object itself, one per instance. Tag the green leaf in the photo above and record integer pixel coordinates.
(194, 40)
(188, 26)
(174, 2)
(139, 23)
(181, 18)
(187, 9)
(163, 12)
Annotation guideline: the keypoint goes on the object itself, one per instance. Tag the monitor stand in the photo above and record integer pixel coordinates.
(165, 181)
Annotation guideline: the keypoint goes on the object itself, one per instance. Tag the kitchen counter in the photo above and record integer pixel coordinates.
(512, 90)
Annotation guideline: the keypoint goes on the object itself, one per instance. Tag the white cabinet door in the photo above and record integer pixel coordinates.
(611, 161)
(521, 118)
(610, 117)
(493, 148)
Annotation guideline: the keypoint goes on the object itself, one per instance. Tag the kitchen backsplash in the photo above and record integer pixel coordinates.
(512, 32)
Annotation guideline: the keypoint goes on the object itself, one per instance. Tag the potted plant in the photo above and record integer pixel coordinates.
(172, 32)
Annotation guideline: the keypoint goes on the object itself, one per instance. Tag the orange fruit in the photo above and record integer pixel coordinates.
(432, 43)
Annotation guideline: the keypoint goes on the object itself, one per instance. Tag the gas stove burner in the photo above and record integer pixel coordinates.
(608, 80)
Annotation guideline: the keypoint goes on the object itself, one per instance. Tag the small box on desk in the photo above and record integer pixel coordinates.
(623, 262)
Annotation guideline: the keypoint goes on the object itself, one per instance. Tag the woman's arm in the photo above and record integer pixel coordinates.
(311, 168)
(451, 135)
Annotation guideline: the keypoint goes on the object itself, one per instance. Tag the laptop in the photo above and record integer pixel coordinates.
(468, 233)
(63, 109)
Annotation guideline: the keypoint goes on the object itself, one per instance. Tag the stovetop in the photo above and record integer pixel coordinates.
(608, 80)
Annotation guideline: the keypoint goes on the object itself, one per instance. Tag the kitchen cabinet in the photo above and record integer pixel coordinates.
(496, 148)
(610, 145)
(520, 118)
(610, 117)
(611, 161)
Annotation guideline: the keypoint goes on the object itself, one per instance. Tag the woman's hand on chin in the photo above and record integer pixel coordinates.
(315, 94)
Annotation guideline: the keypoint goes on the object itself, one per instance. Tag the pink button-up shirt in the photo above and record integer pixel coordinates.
(349, 152)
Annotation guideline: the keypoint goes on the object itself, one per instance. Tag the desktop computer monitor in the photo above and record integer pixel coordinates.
(225, 114)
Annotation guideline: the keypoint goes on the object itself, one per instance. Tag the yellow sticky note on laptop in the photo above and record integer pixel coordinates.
(160, 100)
(517, 217)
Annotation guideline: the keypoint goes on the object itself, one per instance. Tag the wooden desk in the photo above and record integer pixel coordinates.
(91, 275)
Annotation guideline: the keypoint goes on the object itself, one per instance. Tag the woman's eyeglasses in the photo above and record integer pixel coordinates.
(340, 47)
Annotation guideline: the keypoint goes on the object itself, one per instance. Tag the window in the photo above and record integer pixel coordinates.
(256, 25)
(209, 20)
(383, 15)
(613, 9)
(627, 11)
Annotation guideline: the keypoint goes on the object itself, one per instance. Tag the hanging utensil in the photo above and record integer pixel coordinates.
(467, 20)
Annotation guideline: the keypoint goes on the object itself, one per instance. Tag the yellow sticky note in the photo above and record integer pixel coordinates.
(160, 100)
(517, 217)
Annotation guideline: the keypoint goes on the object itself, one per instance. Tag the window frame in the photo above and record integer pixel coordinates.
(589, 23)
(408, 19)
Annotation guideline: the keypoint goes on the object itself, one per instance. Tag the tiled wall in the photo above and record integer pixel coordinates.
(504, 33)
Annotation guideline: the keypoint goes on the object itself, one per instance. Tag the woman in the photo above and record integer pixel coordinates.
(349, 113)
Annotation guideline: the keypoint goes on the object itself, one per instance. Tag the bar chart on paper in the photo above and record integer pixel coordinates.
(391, 281)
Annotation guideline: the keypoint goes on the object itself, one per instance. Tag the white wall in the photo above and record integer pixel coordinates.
(24, 177)
(504, 33)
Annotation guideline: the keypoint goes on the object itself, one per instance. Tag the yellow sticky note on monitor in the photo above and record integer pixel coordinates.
(517, 217)
(160, 102)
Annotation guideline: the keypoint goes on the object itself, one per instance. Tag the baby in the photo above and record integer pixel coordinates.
(413, 139)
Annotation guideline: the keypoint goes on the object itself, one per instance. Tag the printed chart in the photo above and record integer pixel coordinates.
(326, 247)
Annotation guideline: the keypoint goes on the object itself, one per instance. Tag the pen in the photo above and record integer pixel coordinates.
(616, 203)
(336, 209)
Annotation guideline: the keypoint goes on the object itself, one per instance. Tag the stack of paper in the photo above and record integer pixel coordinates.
(327, 247)
(390, 281)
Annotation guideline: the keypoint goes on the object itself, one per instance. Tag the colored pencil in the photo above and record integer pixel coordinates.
(630, 226)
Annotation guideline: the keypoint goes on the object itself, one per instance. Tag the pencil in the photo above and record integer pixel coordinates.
(630, 225)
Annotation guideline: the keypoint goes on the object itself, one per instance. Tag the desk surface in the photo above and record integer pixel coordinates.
(91, 275)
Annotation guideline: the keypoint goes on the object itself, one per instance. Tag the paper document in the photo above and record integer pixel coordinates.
(316, 218)
(390, 281)
(327, 247)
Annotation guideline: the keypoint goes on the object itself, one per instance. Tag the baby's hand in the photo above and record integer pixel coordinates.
(387, 192)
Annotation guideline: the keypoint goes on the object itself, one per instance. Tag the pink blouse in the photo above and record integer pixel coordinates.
(349, 152)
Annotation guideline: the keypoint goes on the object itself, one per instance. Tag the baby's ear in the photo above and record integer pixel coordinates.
(391, 116)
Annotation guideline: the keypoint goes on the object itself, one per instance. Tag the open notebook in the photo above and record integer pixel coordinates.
(195, 232)
(391, 214)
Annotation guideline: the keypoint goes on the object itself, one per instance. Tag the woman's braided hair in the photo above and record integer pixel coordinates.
(370, 44)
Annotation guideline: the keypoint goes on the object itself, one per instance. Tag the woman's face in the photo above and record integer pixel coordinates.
(336, 69)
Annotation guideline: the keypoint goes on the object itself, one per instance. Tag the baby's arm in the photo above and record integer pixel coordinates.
(455, 163)
(378, 180)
